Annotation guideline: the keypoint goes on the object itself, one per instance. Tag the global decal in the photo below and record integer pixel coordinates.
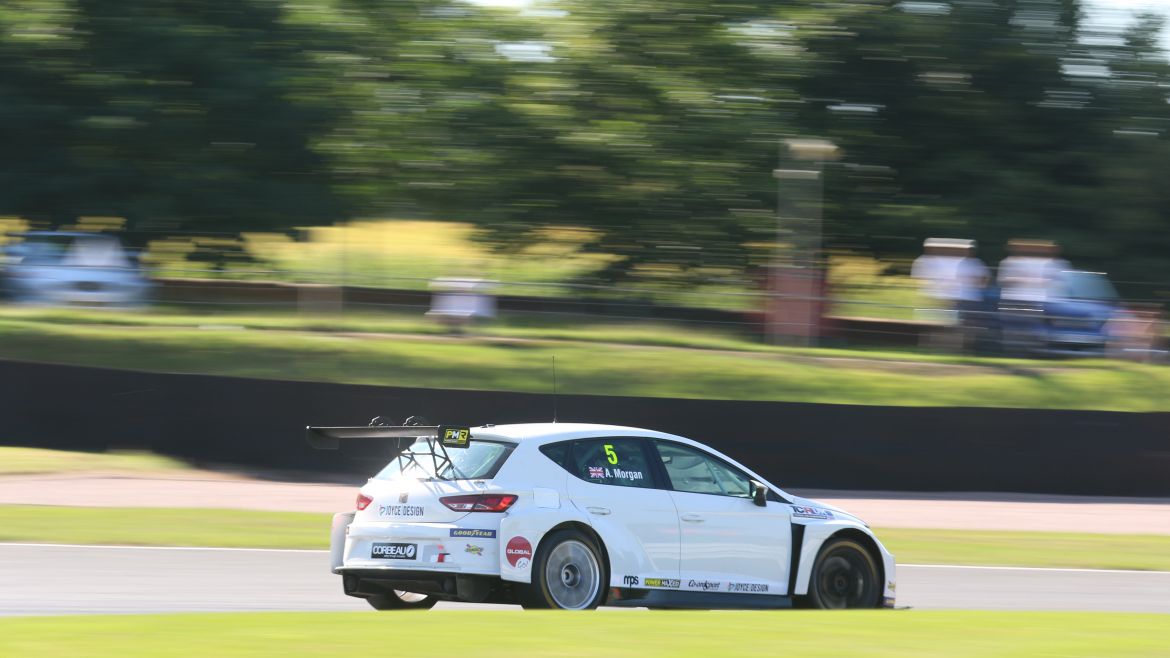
(747, 587)
(476, 533)
(519, 552)
(705, 585)
(672, 583)
(400, 510)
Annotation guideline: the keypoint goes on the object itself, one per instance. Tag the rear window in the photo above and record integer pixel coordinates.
(425, 460)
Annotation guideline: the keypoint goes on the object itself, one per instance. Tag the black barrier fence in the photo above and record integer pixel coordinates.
(260, 423)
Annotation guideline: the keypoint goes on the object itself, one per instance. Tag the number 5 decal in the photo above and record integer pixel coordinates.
(610, 455)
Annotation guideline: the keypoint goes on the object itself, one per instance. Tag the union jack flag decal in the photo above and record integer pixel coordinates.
(596, 472)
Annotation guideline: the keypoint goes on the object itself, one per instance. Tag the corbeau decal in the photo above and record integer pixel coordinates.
(400, 510)
(672, 583)
(474, 550)
(811, 512)
(705, 585)
(473, 532)
(393, 551)
(519, 552)
(747, 587)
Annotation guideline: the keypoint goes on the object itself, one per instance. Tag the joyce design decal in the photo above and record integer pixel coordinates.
(400, 510)
(751, 588)
(393, 551)
(803, 512)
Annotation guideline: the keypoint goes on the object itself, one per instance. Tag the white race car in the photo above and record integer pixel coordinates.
(573, 516)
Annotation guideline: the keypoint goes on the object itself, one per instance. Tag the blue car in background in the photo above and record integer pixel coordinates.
(1078, 312)
(72, 268)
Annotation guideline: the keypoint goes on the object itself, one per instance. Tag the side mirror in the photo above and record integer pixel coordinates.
(759, 494)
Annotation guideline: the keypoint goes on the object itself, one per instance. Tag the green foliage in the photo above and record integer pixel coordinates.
(653, 123)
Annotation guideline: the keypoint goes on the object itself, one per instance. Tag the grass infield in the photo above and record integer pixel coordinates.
(641, 634)
(21, 461)
(253, 529)
(512, 363)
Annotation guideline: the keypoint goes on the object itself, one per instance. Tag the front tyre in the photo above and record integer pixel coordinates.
(845, 575)
(568, 573)
(399, 600)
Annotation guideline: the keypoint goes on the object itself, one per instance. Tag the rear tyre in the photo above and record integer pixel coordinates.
(399, 600)
(845, 575)
(567, 574)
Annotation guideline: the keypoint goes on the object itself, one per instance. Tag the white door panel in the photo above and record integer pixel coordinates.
(640, 527)
(734, 542)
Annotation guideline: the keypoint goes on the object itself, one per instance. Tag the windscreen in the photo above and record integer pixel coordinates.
(426, 459)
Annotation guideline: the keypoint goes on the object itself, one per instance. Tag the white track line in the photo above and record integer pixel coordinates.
(318, 551)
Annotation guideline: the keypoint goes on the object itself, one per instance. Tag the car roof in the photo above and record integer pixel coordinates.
(546, 432)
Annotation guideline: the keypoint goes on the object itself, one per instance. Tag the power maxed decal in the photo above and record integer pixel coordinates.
(519, 552)
(672, 583)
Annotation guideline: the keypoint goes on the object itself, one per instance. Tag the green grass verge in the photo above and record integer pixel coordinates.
(511, 634)
(146, 526)
(254, 529)
(1028, 549)
(589, 368)
(17, 461)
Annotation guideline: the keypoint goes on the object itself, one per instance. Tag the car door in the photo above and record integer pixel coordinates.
(729, 544)
(615, 485)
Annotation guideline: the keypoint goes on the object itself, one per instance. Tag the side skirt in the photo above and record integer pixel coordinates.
(657, 598)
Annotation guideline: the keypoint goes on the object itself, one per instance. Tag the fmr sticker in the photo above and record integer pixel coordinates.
(393, 551)
(810, 512)
(672, 583)
(473, 532)
(519, 552)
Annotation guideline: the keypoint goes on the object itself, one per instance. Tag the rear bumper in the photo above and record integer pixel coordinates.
(363, 582)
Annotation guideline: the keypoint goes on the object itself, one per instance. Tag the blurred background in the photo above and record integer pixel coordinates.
(964, 180)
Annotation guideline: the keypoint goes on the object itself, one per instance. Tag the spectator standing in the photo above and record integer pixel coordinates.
(955, 280)
(1026, 280)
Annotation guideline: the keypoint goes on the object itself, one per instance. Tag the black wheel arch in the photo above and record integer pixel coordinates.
(591, 533)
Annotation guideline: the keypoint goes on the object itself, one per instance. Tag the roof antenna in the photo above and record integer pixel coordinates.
(554, 388)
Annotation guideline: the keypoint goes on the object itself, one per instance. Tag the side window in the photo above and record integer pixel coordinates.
(558, 452)
(694, 471)
(617, 462)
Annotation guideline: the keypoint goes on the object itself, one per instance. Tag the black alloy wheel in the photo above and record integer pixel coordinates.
(845, 575)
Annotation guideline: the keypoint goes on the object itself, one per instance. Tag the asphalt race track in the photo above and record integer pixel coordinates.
(39, 579)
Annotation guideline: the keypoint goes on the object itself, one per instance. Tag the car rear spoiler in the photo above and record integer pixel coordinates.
(329, 438)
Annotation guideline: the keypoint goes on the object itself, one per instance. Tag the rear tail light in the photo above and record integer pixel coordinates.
(363, 501)
(487, 502)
